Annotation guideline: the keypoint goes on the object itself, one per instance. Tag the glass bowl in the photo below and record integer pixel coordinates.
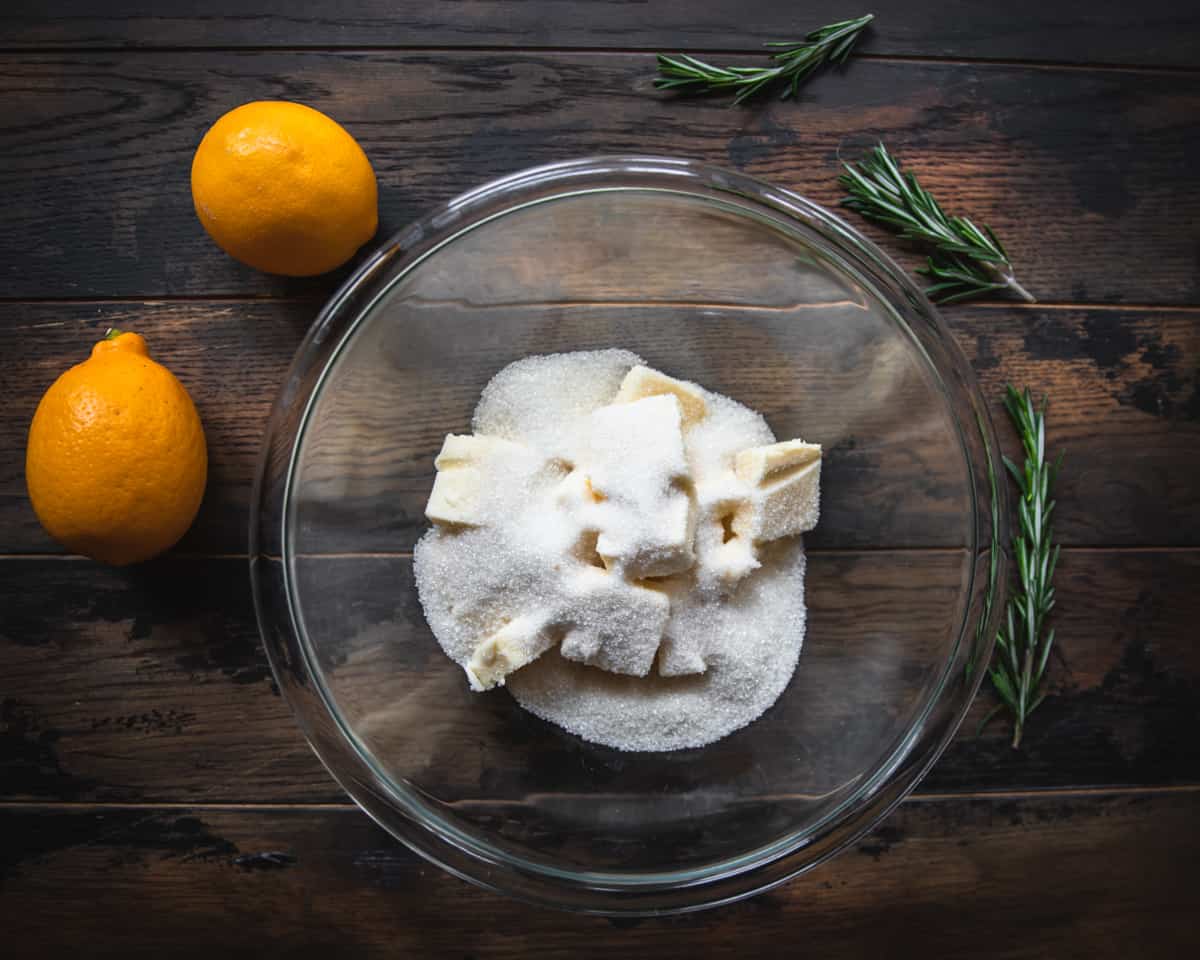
(710, 276)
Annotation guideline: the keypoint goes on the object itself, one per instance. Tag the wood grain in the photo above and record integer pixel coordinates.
(150, 684)
(1125, 386)
(1157, 33)
(1098, 876)
(1065, 164)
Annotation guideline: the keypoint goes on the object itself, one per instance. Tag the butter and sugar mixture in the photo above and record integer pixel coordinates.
(605, 516)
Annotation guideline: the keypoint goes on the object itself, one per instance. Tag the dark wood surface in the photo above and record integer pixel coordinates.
(1015, 876)
(148, 767)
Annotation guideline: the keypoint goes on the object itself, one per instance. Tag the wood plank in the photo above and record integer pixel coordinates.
(1124, 392)
(1120, 380)
(100, 174)
(1096, 876)
(1157, 33)
(1123, 680)
(150, 684)
(171, 686)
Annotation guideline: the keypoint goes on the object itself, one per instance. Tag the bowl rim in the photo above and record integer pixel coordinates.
(406, 815)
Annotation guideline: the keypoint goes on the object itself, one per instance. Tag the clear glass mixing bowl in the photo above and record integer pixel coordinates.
(713, 277)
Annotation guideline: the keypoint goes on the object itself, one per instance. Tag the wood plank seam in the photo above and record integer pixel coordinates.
(732, 52)
(918, 796)
(235, 299)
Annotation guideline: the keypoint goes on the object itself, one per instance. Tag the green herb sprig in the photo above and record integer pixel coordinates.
(1023, 644)
(794, 62)
(967, 261)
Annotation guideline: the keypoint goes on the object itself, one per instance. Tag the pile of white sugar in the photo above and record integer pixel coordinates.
(504, 576)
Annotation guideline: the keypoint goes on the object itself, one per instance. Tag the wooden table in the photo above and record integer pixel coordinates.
(156, 795)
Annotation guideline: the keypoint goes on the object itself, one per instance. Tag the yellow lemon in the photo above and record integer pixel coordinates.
(284, 189)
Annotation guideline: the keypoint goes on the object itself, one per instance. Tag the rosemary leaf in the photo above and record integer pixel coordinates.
(966, 260)
(793, 62)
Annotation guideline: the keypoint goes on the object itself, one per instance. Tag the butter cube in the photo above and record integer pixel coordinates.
(785, 490)
(467, 470)
(574, 497)
(680, 657)
(640, 483)
(723, 559)
(642, 382)
(611, 623)
(684, 649)
(665, 546)
(725, 566)
(517, 643)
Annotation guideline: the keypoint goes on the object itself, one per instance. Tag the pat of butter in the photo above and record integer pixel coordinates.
(611, 623)
(516, 644)
(642, 382)
(784, 480)
(639, 481)
(729, 563)
(466, 467)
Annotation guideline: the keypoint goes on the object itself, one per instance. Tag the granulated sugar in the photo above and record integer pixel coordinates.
(533, 570)
(539, 400)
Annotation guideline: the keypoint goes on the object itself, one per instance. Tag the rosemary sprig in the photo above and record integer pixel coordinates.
(967, 261)
(793, 60)
(1022, 649)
